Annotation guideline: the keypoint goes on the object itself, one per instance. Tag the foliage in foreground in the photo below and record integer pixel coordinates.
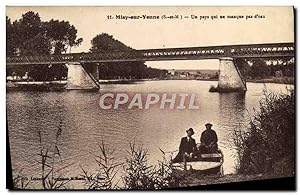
(105, 176)
(135, 171)
(139, 175)
(267, 146)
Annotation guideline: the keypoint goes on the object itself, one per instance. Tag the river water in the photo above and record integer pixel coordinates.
(83, 125)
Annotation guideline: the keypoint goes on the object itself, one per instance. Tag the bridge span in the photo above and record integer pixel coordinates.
(230, 78)
(188, 53)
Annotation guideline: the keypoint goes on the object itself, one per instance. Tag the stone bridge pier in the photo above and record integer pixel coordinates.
(230, 77)
(79, 78)
(86, 78)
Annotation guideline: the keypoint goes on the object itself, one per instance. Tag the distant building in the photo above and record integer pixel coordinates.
(9, 78)
(15, 77)
(193, 73)
(171, 72)
(25, 77)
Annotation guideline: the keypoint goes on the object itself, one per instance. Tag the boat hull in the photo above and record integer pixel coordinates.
(200, 167)
(204, 164)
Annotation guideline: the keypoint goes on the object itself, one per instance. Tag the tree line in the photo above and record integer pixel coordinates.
(258, 68)
(31, 36)
(136, 70)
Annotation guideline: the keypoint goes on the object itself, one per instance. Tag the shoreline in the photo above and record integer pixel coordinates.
(187, 179)
(288, 81)
(14, 84)
(196, 180)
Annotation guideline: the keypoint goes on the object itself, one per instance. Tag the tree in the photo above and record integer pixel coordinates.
(11, 44)
(62, 35)
(114, 70)
(243, 66)
(105, 42)
(39, 45)
(31, 36)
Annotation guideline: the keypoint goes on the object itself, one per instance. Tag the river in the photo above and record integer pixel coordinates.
(83, 125)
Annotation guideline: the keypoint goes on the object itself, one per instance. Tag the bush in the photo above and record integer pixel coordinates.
(267, 145)
(138, 174)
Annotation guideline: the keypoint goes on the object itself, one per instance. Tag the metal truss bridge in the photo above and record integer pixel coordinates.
(189, 53)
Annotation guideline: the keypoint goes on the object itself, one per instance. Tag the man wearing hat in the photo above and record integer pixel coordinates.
(187, 147)
(208, 140)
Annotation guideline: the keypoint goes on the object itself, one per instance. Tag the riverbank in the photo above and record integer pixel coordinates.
(196, 180)
(53, 85)
(279, 80)
(37, 85)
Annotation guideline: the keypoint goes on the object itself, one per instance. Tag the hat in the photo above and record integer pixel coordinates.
(208, 124)
(190, 129)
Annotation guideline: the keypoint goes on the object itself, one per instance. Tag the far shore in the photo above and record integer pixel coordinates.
(279, 80)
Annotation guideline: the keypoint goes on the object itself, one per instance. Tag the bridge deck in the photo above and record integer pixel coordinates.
(188, 53)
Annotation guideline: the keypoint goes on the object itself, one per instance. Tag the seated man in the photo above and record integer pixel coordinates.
(208, 140)
(187, 147)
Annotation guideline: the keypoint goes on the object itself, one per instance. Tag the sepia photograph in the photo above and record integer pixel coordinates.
(150, 97)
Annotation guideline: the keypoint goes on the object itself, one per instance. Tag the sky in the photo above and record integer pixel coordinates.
(276, 27)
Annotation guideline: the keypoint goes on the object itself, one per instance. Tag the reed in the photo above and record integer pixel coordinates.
(105, 176)
(267, 145)
(49, 156)
(139, 174)
(20, 181)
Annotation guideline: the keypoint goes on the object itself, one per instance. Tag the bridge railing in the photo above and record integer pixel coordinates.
(286, 49)
(212, 52)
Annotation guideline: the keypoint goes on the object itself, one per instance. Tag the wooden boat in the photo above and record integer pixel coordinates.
(204, 164)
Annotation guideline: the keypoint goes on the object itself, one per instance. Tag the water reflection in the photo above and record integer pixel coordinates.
(232, 109)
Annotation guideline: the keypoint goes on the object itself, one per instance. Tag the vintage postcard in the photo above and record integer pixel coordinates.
(150, 98)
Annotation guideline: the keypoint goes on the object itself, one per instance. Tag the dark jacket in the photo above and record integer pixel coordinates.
(208, 137)
(187, 146)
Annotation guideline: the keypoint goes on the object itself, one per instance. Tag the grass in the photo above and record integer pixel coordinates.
(48, 157)
(267, 145)
(138, 174)
(134, 173)
(48, 161)
(20, 181)
(105, 177)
